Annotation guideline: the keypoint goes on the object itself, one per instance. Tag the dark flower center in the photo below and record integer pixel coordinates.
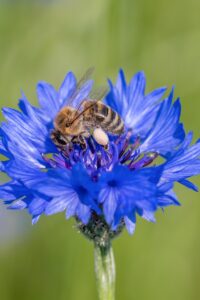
(112, 183)
(123, 150)
(81, 190)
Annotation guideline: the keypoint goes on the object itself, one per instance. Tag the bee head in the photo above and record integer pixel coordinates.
(67, 122)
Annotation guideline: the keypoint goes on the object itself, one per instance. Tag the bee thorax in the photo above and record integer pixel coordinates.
(100, 136)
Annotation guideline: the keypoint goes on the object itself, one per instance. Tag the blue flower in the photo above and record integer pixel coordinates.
(114, 185)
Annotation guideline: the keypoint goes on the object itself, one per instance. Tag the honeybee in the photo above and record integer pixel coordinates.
(91, 118)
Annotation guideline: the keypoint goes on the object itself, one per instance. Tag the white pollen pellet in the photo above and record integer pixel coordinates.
(100, 136)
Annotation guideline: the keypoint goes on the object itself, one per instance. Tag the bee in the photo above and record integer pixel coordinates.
(91, 118)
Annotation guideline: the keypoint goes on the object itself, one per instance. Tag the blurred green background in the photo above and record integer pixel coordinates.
(42, 40)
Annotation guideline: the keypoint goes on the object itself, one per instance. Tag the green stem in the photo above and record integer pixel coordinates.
(105, 272)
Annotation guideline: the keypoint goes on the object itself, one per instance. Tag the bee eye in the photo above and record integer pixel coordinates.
(67, 124)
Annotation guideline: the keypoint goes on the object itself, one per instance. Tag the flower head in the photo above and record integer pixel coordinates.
(113, 184)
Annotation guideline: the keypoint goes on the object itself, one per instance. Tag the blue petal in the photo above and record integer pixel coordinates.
(109, 198)
(20, 129)
(123, 191)
(142, 118)
(37, 206)
(12, 190)
(35, 219)
(83, 212)
(149, 216)
(67, 88)
(56, 205)
(137, 110)
(117, 98)
(168, 199)
(121, 83)
(130, 226)
(72, 206)
(64, 197)
(83, 93)
(25, 127)
(189, 185)
(18, 205)
(47, 96)
(167, 132)
(183, 164)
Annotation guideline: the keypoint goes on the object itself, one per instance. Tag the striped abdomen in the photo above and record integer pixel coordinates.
(103, 116)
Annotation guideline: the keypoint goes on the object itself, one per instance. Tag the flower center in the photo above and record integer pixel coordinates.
(124, 150)
(112, 183)
(82, 191)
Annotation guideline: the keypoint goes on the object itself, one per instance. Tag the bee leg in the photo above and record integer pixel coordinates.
(105, 147)
(85, 134)
(82, 142)
(91, 144)
(75, 140)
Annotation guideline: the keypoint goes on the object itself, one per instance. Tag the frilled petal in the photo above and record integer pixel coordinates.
(71, 190)
(189, 185)
(137, 109)
(24, 152)
(13, 190)
(83, 212)
(123, 192)
(82, 94)
(57, 204)
(142, 109)
(19, 197)
(130, 225)
(183, 163)
(21, 131)
(37, 206)
(67, 88)
(167, 199)
(48, 98)
(116, 98)
(148, 215)
(18, 205)
(166, 132)
(109, 197)
(35, 219)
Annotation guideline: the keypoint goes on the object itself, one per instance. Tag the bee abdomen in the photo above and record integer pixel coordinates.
(108, 119)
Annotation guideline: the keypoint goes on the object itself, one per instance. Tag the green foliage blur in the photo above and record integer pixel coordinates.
(42, 40)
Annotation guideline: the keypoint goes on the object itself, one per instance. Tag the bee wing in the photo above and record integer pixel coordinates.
(86, 76)
(98, 94)
(83, 88)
